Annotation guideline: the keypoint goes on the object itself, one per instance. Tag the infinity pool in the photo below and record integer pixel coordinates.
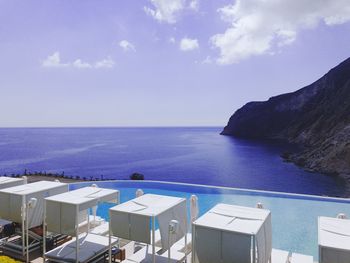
(294, 217)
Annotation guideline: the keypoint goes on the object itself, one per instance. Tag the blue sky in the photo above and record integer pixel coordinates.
(159, 62)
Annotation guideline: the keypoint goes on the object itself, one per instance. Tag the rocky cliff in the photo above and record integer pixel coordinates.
(317, 117)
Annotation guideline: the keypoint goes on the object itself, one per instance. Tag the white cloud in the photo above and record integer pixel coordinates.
(169, 10)
(257, 27)
(188, 44)
(207, 60)
(194, 4)
(79, 64)
(126, 45)
(53, 61)
(105, 63)
(172, 40)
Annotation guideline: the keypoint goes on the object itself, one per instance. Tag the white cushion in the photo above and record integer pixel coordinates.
(300, 258)
(279, 256)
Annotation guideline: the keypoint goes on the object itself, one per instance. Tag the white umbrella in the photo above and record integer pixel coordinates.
(342, 216)
(94, 208)
(139, 192)
(260, 205)
(194, 207)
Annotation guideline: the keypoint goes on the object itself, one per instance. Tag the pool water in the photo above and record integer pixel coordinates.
(294, 217)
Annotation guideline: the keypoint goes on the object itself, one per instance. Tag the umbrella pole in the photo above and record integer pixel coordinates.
(76, 236)
(153, 239)
(186, 238)
(169, 247)
(44, 231)
(193, 245)
(23, 229)
(27, 234)
(109, 240)
(254, 255)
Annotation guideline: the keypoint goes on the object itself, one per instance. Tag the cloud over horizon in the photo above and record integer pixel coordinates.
(257, 27)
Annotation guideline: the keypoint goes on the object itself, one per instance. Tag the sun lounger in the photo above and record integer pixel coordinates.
(14, 245)
(300, 258)
(91, 247)
(7, 228)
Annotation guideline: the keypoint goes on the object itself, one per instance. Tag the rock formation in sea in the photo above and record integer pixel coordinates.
(317, 117)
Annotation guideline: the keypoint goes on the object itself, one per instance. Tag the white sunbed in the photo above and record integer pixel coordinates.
(91, 246)
(89, 220)
(279, 256)
(230, 233)
(131, 220)
(75, 204)
(300, 258)
(101, 230)
(145, 255)
(180, 245)
(27, 201)
(175, 254)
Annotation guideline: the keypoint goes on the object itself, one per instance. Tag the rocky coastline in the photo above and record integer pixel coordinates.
(316, 118)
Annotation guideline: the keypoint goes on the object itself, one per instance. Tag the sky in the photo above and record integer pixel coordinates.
(159, 62)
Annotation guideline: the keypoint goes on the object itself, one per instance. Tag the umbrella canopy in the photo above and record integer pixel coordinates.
(229, 233)
(334, 240)
(13, 199)
(58, 207)
(6, 182)
(131, 220)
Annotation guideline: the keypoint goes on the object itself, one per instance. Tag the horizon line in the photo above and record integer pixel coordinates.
(91, 127)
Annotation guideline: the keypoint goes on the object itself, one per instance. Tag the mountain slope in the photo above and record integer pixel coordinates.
(316, 117)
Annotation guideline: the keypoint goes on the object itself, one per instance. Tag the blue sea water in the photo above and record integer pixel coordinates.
(191, 155)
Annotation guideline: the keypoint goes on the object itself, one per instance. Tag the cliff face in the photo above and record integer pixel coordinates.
(316, 117)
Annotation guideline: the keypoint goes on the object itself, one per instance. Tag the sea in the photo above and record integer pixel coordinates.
(198, 155)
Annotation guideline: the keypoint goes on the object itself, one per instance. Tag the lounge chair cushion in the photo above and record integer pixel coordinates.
(279, 256)
(90, 246)
(145, 255)
(300, 258)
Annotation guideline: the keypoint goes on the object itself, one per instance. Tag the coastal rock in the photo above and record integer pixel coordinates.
(317, 117)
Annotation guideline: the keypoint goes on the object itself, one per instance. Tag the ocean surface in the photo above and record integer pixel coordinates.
(191, 155)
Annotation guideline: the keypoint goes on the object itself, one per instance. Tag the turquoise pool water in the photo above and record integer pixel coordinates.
(294, 217)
